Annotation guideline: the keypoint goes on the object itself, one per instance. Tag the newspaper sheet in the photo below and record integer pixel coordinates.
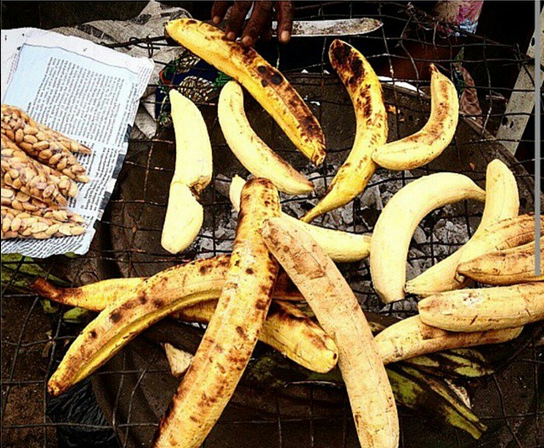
(86, 91)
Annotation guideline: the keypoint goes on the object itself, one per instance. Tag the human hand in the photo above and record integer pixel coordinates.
(259, 25)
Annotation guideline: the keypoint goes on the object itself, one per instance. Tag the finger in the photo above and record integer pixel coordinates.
(285, 20)
(236, 19)
(267, 33)
(256, 26)
(218, 11)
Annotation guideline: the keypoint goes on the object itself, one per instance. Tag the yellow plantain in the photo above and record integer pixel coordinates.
(233, 330)
(286, 329)
(484, 309)
(194, 165)
(99, 295)
(192, 173)
(265, 83)
(183, 220)
(506, 267)
(120, 322)
(504, 234)
(398, 221)
(427, 144)
(94, 296)
(365, 92)
(248, 147)
(501, 202)
(410, 337)
(339, 313)
(342, 247)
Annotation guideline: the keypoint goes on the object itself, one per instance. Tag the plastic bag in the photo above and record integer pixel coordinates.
(79, 407)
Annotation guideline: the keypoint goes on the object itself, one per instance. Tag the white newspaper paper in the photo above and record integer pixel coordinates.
(86, 91)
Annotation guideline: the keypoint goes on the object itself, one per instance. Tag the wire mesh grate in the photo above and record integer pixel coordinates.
(33, 342)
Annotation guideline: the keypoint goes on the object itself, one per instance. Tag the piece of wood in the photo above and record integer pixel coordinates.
(522, 102)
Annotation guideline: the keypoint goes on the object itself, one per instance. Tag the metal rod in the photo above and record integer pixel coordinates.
(538, 53)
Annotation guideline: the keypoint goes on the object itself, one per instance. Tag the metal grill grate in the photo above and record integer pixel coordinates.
(128, 243)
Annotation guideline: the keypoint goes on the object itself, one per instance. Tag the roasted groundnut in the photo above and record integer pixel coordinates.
(22, 173)
(41, 224)
(49, 147)
(21, 201)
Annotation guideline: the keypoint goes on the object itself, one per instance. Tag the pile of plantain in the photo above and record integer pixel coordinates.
(281, 285)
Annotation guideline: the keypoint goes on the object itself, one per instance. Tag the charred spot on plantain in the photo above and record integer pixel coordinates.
(293, 103)
(275, 308)
(250, 271)
(212, 399)
(366, 103)
(270, 75)
(357, 417)
(309, 124)
(159, 303)
(434, 129)
(357, 70)
(241, 331)
(260, 181)
(92, 334)
(236, 360)
(262, 304)
(276, 79)
(115, 316)
(247, 54)
(340, 52)
(204, 269)
(128, 305)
